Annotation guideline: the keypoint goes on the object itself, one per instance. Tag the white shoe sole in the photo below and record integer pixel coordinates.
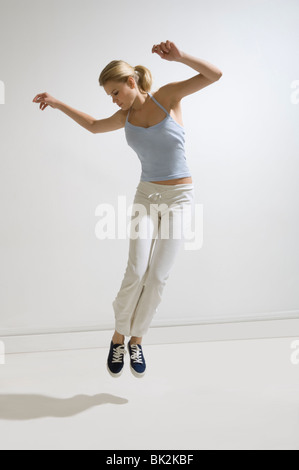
(136, 374)
(115, 376)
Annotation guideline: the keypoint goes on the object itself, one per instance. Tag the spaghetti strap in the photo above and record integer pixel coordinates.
(154, 99)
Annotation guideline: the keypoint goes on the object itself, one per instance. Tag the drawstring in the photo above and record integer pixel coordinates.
(157, 195)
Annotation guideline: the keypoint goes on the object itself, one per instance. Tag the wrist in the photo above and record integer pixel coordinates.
(58, 104)
(181, 56)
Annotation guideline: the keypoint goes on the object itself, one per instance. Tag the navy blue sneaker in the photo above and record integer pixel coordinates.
(138, 365)
(115, 362)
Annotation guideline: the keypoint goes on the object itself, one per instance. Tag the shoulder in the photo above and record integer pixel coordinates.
(165, 98)
(122, 115)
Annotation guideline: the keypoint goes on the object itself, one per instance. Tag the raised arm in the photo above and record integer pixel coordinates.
(208, 73)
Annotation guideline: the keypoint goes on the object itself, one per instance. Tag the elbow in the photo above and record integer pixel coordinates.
(92, 128)
(216, 77)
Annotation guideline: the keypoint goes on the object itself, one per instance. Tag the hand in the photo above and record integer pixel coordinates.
(45, 100)
(168, 51)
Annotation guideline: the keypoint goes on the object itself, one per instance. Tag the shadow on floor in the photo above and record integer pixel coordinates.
(22, 406)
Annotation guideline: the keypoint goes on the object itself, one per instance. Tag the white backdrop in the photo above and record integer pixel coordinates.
(241, 144)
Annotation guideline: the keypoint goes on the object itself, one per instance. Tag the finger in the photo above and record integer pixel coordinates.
(159, 51)
(168, 45)
(163, 47)
(39, 96)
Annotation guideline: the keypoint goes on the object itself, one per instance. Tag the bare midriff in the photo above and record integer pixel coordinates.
(186, 180)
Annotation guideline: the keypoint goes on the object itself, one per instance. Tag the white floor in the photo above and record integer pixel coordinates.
(212, 395)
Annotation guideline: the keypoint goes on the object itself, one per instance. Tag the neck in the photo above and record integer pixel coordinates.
(139, 101)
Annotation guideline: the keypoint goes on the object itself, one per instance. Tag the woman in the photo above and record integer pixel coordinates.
(154, 129)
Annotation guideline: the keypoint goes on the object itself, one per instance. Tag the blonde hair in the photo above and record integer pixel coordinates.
(120, 71)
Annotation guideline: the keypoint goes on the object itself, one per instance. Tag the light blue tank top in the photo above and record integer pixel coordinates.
(160, 148)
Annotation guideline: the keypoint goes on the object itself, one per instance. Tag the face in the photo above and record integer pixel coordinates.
(121, 93)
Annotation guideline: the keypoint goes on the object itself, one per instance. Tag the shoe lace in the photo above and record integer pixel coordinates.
(136, 356)
(118, 352)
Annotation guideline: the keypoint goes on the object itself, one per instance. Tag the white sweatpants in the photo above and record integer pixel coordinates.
(161, 227)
